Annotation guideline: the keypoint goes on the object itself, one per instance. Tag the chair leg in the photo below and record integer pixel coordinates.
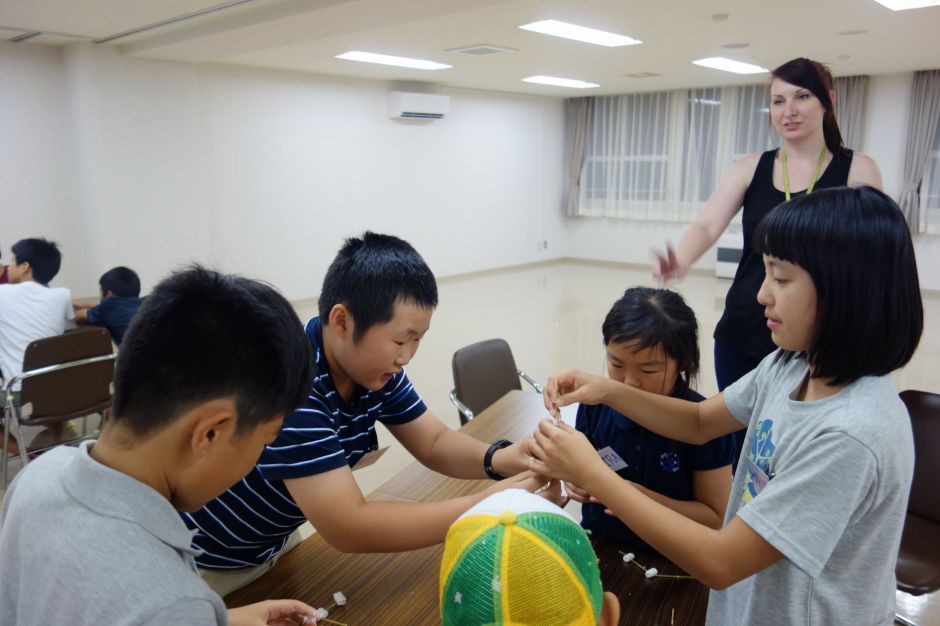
(900, 619)
(6, 445)
(19, 437)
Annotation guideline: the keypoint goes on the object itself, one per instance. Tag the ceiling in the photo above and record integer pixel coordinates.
(852, 36)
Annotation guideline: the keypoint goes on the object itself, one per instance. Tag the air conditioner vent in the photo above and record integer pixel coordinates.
(420, 106)
(422, 116)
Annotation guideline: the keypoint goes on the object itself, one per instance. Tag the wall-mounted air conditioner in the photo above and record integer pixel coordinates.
(409, 105)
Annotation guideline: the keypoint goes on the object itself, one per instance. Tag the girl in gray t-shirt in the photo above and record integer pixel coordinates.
(817, 505)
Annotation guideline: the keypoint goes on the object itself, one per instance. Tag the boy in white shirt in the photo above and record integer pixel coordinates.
(29, 308)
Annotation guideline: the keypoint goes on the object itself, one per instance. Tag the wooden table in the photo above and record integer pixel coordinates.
(403, 588)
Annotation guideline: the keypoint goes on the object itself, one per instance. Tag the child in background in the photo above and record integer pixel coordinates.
(4, 277)
(515, 558)
(120, 299)
(818, 502)
(30, 309)
(651, 338)
(91, 535)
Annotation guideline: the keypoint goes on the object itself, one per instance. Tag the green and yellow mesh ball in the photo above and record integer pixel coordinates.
(517, 559)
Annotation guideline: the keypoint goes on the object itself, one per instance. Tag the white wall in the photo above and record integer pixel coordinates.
(153, 164)
(265, 172)
(38, 182)
(884, 138)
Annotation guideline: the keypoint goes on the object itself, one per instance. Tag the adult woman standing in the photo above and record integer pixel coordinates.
(802, 111)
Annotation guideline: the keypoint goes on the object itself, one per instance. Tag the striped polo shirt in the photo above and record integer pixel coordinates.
(250, 523)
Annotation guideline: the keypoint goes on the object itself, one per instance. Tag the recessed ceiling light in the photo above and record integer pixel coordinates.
(580, 33)
(729, 65)
(857, 31)
(384, 59)
(903, 5)
(560, 82)
(734, 46)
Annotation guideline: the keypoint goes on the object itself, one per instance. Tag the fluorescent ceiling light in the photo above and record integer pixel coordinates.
(560, 82)
(384, 59)
(903, 5)
(728, 65)
(580, 33)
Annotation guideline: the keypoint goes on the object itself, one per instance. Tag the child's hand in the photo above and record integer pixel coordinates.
(273, 613)
(570, 386)
(564, 453)
(528, 480)
(553, 493)
(578, 494)
(512, 459)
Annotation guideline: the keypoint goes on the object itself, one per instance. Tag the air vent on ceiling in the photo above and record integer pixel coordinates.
(480, 50)
(642, 75)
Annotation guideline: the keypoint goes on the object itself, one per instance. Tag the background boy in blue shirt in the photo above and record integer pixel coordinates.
(91, 535)
(375, 306)
(651, 337)
(120, 299)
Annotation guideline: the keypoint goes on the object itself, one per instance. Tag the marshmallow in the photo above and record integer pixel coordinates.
(322, 613)
(629, 556)
(339, 598)
(651, 572)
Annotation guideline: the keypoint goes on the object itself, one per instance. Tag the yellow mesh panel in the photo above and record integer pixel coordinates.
(460, 535)
(539, 586)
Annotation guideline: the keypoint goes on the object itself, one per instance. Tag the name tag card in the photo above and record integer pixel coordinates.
(612, 459)
(369, 458)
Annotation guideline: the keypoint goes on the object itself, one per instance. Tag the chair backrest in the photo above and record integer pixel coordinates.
(67, 392)
(483, 373)
(924, 408)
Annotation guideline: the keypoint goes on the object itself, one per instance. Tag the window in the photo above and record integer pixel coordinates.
(627, 154)
(659, 156)
(930, 189)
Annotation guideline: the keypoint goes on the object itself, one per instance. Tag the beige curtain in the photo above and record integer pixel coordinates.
(851, 100)
(577, 124)
(925, 113)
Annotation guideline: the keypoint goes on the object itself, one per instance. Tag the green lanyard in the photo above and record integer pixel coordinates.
(786, 174)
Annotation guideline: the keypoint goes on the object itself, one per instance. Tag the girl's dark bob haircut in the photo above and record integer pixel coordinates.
(657, 317)
(856, 247)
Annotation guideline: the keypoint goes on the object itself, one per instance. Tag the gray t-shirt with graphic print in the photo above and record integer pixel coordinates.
(836, 475)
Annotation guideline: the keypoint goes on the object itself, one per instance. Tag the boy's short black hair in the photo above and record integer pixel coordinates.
(856, 247)
(657, 317)
(370, 274)
(43, 257)
(201, 336)
(121, 281)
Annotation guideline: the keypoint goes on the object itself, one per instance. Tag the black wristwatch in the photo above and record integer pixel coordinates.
(488, 458)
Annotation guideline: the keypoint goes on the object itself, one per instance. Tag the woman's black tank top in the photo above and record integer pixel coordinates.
(743, 327)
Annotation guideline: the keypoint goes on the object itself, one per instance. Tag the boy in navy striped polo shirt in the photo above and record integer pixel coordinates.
(375, 306)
